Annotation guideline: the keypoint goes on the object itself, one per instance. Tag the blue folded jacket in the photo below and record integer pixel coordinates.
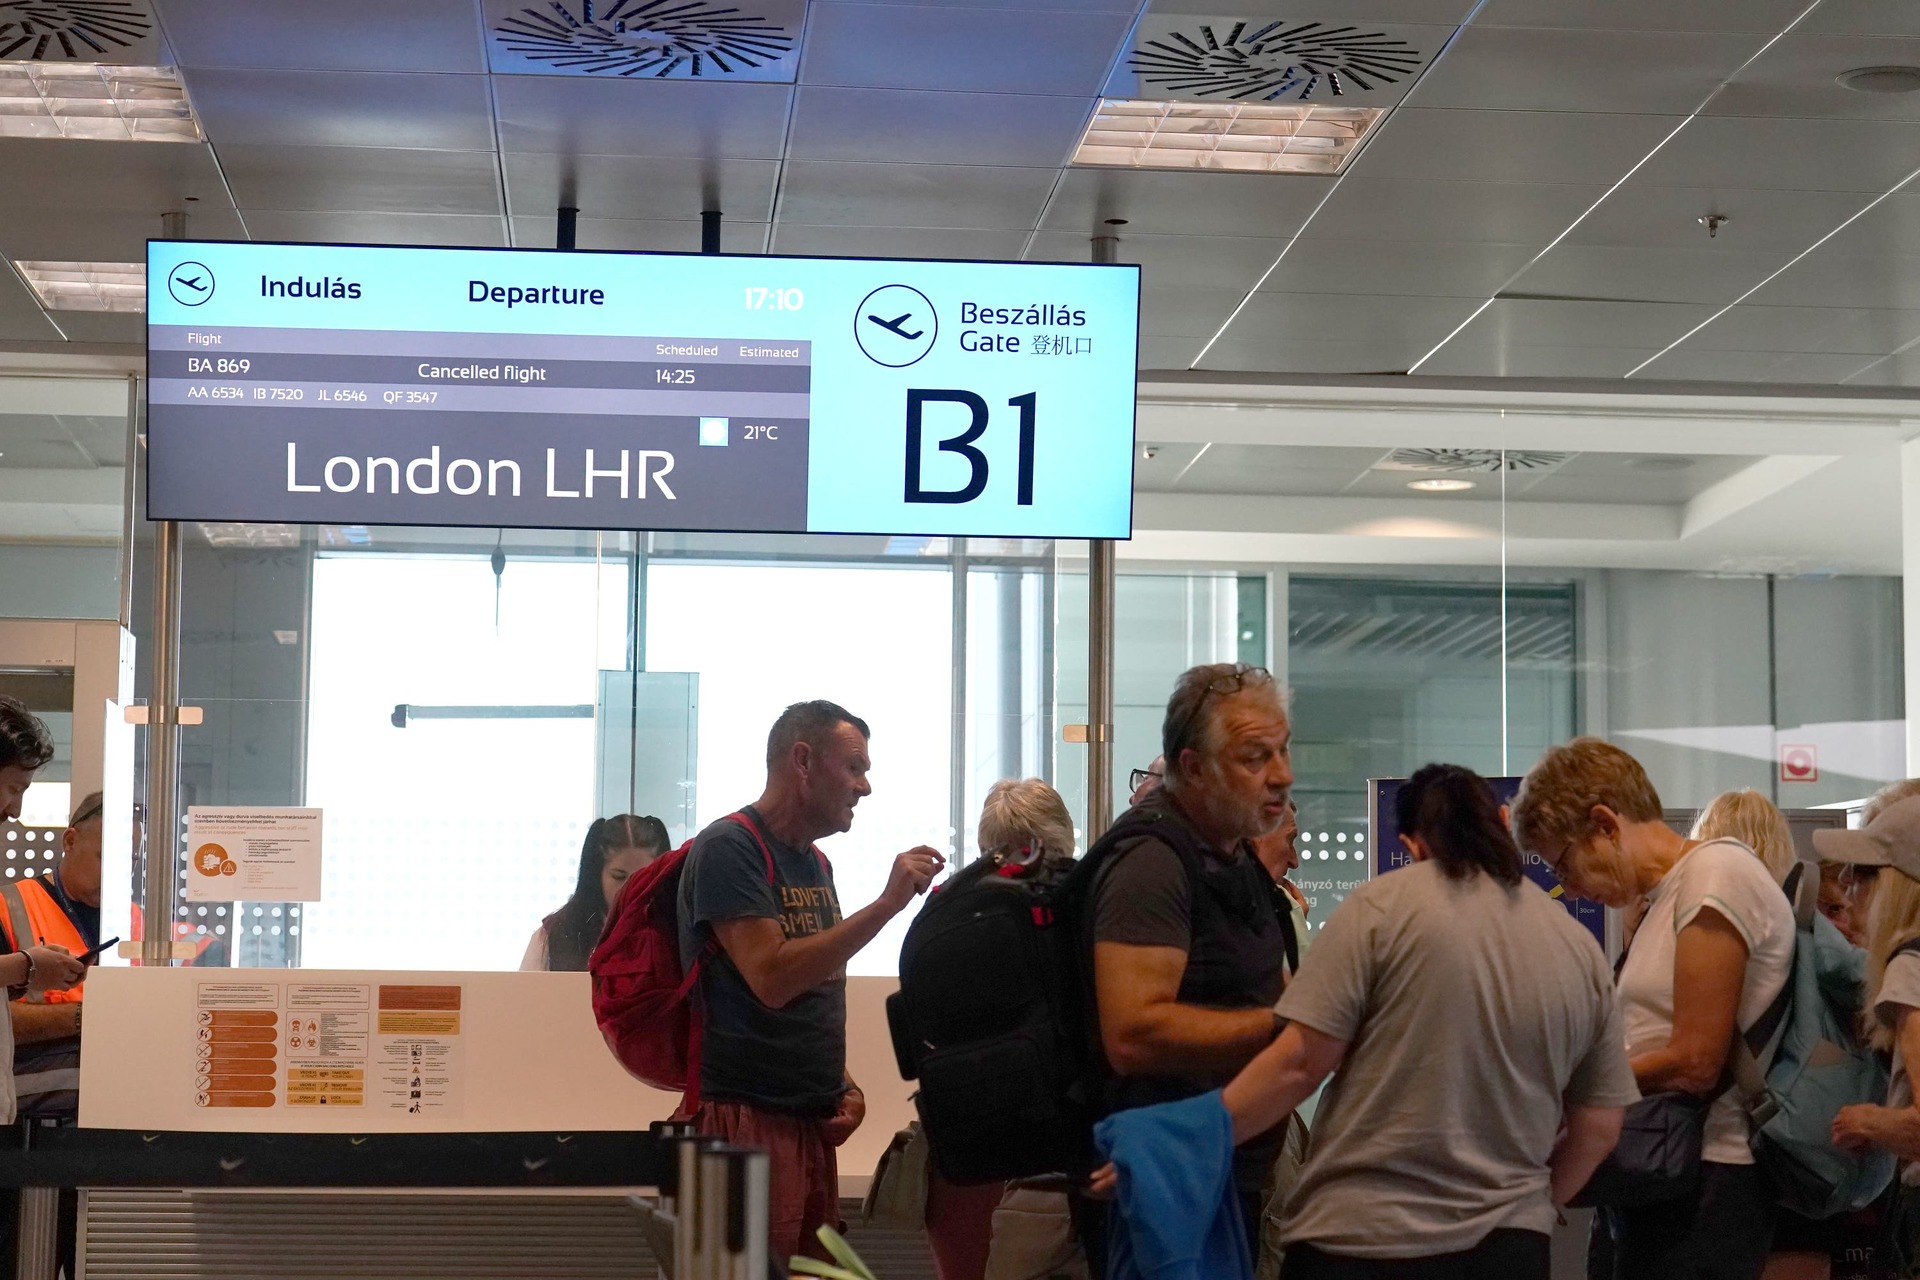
(1175, 1215)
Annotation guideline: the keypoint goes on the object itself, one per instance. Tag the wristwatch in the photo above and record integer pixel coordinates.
(19, 991)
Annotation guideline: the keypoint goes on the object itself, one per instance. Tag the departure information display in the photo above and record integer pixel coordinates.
(342, 384)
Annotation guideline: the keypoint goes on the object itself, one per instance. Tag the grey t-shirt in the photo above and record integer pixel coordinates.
(1899, 985)
(1473, 1012)
(792, 1059)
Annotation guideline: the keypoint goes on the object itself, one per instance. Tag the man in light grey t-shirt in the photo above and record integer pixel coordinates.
(1474, 1013)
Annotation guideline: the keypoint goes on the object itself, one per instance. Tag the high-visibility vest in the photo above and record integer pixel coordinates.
(46, 1076)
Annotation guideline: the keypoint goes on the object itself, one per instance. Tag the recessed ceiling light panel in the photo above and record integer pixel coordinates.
(88, 286)
(758, 40)
(1236, 137)
(96, 101)
(1440, 485)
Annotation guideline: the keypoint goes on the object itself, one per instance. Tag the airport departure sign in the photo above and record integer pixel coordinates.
(344, 384)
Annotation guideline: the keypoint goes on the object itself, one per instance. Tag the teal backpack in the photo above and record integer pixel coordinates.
(1819, 1064)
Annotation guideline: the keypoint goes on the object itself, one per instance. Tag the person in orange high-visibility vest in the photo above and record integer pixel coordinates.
(59, 909)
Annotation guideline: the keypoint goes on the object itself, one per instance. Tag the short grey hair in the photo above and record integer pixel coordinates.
(1025, 811)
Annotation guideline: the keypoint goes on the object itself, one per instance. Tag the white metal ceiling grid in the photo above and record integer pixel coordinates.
(943, 130)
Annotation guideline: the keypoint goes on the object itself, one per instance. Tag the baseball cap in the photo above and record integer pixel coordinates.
(1891, 840)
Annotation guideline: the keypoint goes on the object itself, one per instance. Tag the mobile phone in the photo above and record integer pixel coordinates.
(93, 956)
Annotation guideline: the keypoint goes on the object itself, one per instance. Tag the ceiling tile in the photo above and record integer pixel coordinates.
(1642, 215)
(1835, 277)
(935, 128)
(1556, 323)
(1194, 262)
(1796, 77)
(1159, 352)
(1510, 146)
(1900, 371)
(637, 235)
(640, 235)
(1481, 355)
(1812, 369)
(1370, 12)
(1766, 16)
(832, 193)
(52, 175)
(1333, 317)
(56, 234)
(899, 242)
(1890, 226)
(1846, 330)
(1863, 18)
(1204, 204)
(1179, 312)
(1369, 266)
(1384, 210)
(103, 326)
(347, 227)
(21, 318)
(887, 46)
(342, 109)
(1647, 275)
(369, 179)
(578, 115)
(1796, 155)
(644, 188)
(1531, 69)
(341, 35)
(1309, 356)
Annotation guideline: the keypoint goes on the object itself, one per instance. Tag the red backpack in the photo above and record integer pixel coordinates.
(641, 997)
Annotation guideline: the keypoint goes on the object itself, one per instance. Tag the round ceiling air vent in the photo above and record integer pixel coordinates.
(87, 30)
(1470, 460)
(1273, 60)
(658, 38)
(1881, 79)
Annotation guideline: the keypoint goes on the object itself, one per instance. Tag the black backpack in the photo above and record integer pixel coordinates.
(993, 1015)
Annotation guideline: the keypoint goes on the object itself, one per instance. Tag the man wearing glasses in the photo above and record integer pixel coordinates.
(60, 908)
(1189, 944)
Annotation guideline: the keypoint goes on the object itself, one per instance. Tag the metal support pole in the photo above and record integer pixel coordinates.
(128, 496)
(1100, 651)
(710, 231)
(163, 727)
(567, 227)
(957, 770)
(163, 751)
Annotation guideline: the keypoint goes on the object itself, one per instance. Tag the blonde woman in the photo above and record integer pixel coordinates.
(1752, 819)
(1890, 840)
(1021, 821)
(1711, 953)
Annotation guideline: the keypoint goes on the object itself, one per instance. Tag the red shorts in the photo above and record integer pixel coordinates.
(803, 1179)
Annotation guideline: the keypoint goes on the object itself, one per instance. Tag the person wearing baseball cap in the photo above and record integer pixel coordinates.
(1890, 841)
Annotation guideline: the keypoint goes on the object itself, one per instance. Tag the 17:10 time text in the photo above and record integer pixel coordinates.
(759, 299)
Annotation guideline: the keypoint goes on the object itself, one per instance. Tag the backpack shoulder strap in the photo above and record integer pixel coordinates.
(753, 829)
(1908, 947)
(1753, 1050)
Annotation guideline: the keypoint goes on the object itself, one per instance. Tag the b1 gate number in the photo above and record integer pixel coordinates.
(963, 445)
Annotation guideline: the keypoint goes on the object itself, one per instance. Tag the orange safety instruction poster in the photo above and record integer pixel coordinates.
(253, 854)
(291, 1043)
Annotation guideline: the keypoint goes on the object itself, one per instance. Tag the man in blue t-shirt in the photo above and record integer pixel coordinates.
(773, 1053)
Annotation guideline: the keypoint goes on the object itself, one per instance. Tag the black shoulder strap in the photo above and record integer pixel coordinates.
(1909, 946)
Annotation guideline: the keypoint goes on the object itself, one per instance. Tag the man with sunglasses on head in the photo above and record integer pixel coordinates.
(1188, 946)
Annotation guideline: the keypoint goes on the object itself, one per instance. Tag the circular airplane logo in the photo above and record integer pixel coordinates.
(895, 325)
(190, 284)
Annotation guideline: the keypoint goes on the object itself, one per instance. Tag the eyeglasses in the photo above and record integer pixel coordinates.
(1226, 686)
(1138, 778)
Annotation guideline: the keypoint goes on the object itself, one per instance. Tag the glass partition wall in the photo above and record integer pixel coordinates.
(1718, 589)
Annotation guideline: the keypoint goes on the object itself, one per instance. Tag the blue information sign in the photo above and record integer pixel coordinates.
(1389, 854)
(350, 384)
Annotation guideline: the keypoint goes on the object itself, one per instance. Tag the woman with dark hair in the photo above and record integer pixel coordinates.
(1478, 1064)
(614, 849)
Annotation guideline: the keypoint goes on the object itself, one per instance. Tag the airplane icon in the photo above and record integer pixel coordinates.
(894, 325)
(190, 283)
(194, 284)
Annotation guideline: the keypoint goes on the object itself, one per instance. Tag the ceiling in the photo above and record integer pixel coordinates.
(1528, 210)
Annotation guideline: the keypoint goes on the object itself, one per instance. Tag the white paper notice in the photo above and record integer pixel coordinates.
(253, 854)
